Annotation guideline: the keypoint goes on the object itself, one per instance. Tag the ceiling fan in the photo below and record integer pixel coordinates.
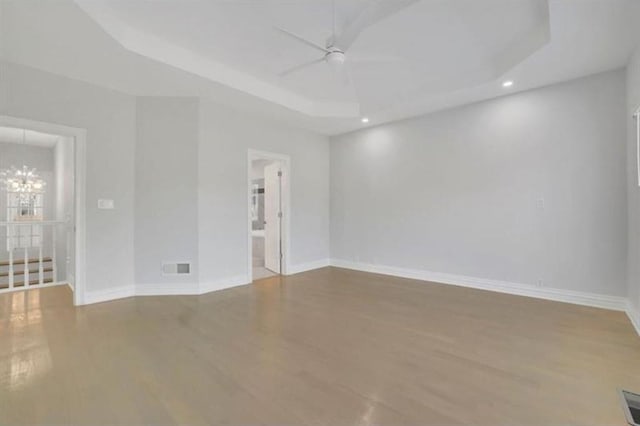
(334, 53)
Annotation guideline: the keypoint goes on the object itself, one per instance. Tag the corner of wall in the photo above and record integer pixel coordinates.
(633, 192)
(308, 266)
(634, 315)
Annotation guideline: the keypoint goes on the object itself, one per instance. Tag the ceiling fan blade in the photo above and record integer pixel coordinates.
(374, 11)
(302, 40)
(299, 67)
(374, 58)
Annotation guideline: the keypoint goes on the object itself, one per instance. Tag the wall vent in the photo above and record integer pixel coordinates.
(176, 268)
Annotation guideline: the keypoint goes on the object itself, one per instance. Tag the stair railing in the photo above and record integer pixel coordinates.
(28, 243)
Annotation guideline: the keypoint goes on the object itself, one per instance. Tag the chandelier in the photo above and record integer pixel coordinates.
(24, 180)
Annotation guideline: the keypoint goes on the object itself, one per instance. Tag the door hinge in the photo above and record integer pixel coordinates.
(280, 215)
(279, 173)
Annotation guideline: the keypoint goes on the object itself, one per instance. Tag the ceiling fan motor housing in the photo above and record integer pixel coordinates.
(335, 57)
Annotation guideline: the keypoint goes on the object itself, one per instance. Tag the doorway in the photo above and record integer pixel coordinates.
(44, 233)
(268, 214)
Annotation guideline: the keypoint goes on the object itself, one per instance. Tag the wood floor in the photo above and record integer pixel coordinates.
(327, 347)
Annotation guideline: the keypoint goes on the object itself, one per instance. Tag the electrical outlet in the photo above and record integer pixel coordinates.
(540, 203)
(540, 283)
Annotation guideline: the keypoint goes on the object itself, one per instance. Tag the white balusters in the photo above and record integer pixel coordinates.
(54, 259)
(40, 265)
(10, 246)
(26, 267)
(25, 239)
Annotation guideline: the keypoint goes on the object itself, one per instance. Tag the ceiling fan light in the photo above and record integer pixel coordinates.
(335, 58)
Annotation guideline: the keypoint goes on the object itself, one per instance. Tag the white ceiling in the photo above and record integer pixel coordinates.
(434, 54)
(29, 137)
(236, 43)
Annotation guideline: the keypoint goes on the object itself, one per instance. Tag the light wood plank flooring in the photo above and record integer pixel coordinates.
(327, 347)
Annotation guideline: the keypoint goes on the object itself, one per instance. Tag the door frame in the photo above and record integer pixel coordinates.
(285, 197)
(79, 136)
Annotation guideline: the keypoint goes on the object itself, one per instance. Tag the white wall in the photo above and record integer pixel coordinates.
(110, 120)
(118, 142)
(459, 191)
(193, 153)
(470, 182)
(65, 202)
(166, 224)
(633, 194)
(226, 135)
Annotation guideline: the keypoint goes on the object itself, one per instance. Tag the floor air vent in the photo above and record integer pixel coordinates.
(176, 268)
(631, 407)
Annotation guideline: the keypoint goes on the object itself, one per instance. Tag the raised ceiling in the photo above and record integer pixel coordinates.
(410, 52)
(428, 55)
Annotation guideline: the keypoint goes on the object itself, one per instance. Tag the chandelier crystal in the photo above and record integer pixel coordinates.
(22, 180)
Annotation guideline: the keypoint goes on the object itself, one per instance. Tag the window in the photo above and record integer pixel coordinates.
(23, 206)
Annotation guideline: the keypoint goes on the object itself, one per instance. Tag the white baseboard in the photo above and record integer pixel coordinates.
(223, 284)
(185, 289)
(634, 316)
(163, 289)
(559, 295)
(309, 266)
(99, 296)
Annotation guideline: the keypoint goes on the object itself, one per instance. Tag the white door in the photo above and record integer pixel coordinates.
(272, 217)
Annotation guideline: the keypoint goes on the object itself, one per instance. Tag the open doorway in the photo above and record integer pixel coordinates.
(268, 214)
(36, 209)
(41, 206)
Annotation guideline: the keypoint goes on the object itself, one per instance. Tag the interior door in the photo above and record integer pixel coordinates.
(272, 217)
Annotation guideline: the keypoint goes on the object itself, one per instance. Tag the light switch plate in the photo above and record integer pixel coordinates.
(106, 204)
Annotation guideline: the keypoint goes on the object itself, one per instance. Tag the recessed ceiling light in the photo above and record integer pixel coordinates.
(365, 120)
(507, 83)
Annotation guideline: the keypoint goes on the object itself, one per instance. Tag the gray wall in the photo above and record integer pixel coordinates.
(110, 120)
(461, 191)
(118, 142)
(225, 137)
(454, 192)
(633, 102)
(166, 204)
